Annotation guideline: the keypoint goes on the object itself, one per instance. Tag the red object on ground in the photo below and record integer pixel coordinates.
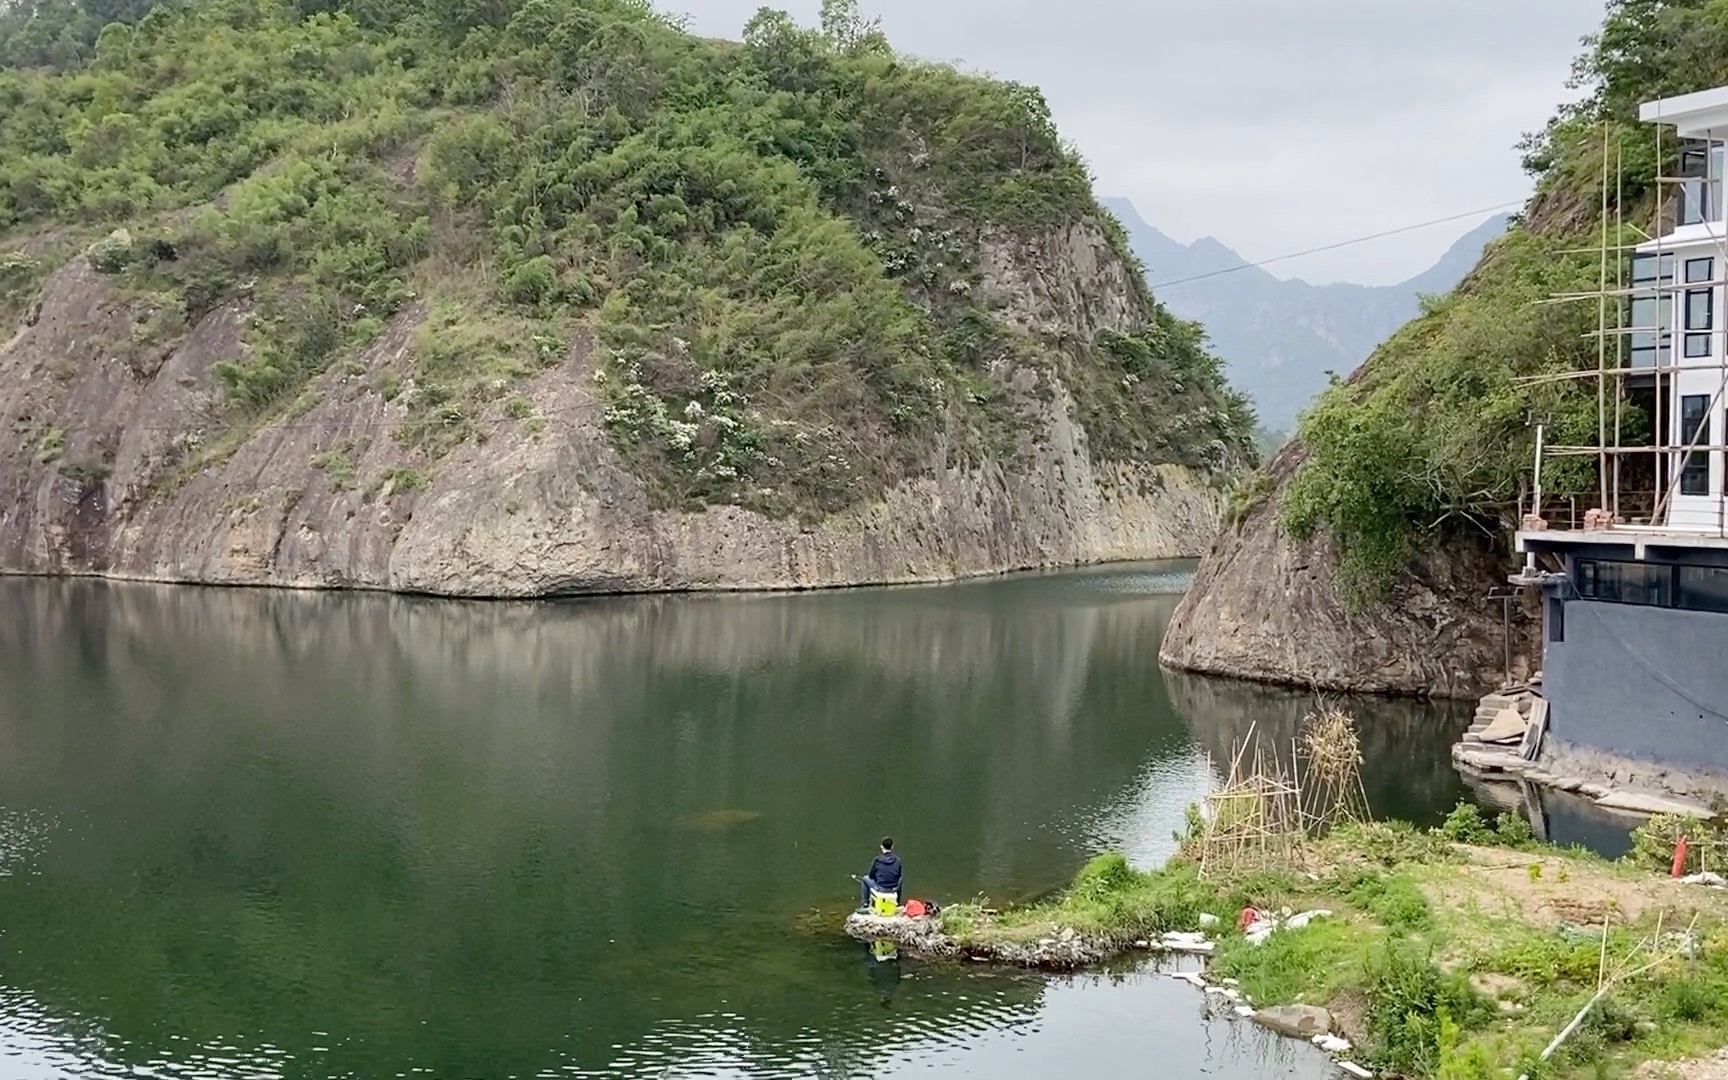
(1679, 867)
(1248, 917)
(915, 909)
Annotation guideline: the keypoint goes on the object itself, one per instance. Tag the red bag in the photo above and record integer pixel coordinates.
(915, 909)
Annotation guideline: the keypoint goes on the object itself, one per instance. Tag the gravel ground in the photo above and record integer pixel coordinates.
(1714, 1067)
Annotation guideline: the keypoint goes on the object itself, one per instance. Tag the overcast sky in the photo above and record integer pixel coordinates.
(1274, 125)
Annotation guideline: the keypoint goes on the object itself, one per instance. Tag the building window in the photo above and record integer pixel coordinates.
(1703, 588)
(1695, 430)
(1701, 183)
(1698, 271)
(1699, 308)
(1700, 312)
(1556, 619)
(1645, 268)
(1688, 588)
(1649, 584)
(1652, 326)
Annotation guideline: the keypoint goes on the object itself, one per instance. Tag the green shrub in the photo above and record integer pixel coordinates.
(1464, 825)
(51, 445)
(531, 283)
(1653, 842)
(1513, 830)
(1396, 901)
(1393, 843)
(405, 480)
(1408, 997)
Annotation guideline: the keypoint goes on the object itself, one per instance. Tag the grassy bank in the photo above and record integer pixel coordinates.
(1456, 953)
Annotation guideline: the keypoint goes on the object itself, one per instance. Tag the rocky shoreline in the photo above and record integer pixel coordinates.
(1061, 951)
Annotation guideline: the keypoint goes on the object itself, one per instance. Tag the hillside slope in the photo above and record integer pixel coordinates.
(541, 297)
(1363, 557)
(1280, 337)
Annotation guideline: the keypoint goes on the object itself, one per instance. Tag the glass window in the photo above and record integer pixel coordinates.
(1701, 183)
(1700, 315)
(1703, 588)
(1626, 582)
(1700, 305)
(1695, 429)
(1698, 270)
(1644, 268)
(1651, 320)
(1713, 192)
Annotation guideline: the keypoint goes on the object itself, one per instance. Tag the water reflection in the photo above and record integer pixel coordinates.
(1406, 745)
(252, 833)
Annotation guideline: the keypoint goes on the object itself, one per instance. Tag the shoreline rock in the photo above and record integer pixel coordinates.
(1062, 951)
(1268, 608)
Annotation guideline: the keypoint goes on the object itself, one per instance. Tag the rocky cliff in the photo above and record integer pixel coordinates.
(1266, 606)
(589, 305)
(328, 498)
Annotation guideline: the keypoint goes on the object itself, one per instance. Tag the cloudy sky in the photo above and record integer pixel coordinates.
(1274, 125)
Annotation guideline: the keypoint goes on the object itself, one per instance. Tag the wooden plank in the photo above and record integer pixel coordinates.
(1531, 748)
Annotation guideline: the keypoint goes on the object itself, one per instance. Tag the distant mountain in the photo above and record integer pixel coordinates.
(1279, 337)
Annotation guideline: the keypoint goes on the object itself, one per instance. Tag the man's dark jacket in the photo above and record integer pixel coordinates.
(885, 872)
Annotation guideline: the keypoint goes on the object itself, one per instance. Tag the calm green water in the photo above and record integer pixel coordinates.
(249, 834)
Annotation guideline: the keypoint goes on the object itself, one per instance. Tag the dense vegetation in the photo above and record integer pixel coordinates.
(774, 245)
(1435, 433)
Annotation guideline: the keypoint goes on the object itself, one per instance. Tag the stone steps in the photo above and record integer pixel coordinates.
(1490, 706)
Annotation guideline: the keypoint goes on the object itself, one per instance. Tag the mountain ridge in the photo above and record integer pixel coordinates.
(1281, 336)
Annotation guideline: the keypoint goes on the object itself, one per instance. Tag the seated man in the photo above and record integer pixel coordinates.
(884, 875)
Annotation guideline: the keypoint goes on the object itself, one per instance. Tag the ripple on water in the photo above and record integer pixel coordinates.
(1142, 582)
(21, 836)
(1140, 819)
(38, 1044)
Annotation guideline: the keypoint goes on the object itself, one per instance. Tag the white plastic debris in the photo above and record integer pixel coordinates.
(1332, 1044)
(1208, 919)
(1142, 944)
(1297, 922)
(1355, 1070)
(1181, 941)
(1193, 978)
(1245, 1011)
(1708, 877)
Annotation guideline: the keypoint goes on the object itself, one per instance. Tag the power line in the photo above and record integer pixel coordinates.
(1339, 244)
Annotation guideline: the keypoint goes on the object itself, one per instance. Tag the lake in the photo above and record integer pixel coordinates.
(273, 834)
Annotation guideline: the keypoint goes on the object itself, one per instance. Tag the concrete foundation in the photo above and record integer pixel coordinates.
(1612, 781)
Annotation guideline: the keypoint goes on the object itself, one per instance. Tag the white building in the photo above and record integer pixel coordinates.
(1679, 318)
(1635, 594)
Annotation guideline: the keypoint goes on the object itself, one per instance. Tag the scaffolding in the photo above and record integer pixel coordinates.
(1651, 315)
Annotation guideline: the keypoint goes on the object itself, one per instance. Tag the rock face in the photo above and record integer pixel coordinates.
(1267, 607)
(1301, 1021)
(115, 465)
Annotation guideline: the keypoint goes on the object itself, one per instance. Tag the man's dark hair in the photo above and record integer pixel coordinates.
(887, 843)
